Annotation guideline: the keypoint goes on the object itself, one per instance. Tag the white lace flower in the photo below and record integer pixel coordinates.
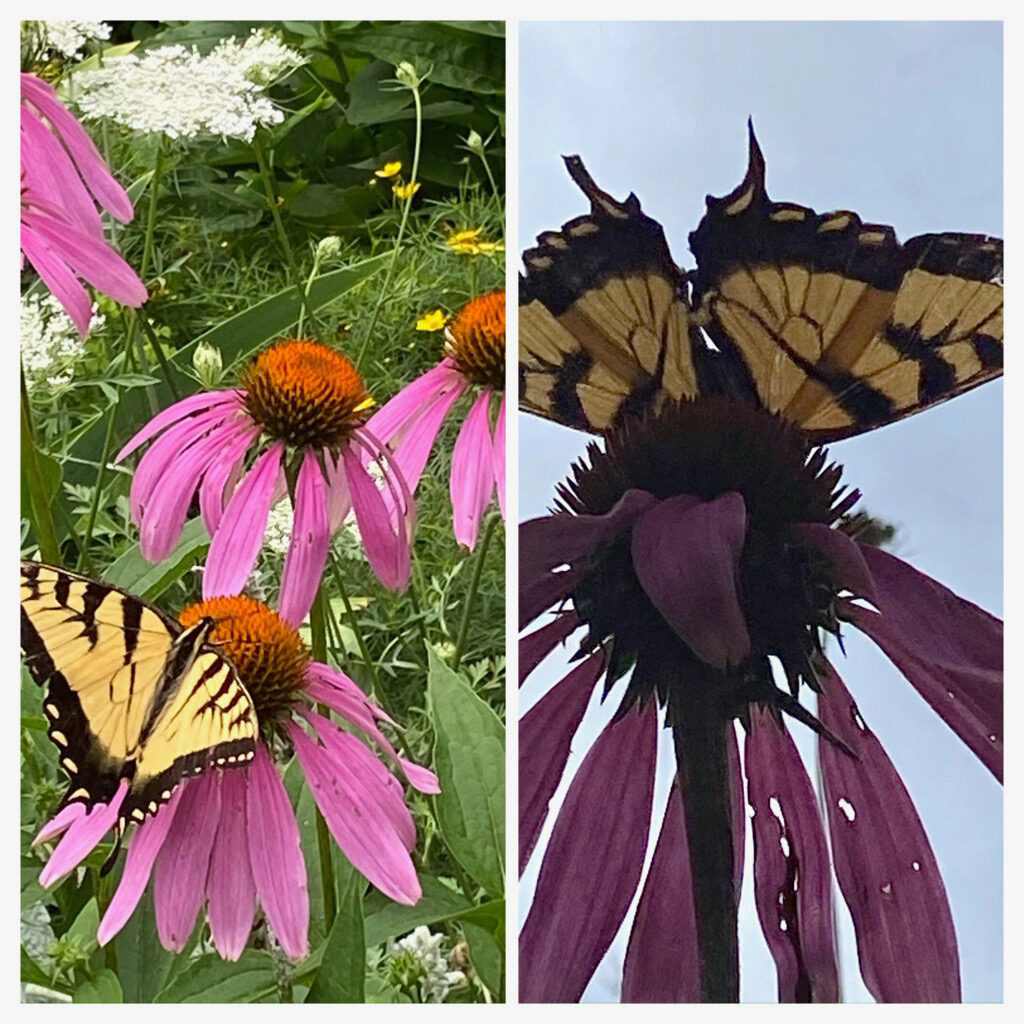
(50, 342)
(423, 951)
(68, 38)
(181, 93)
(278, 534)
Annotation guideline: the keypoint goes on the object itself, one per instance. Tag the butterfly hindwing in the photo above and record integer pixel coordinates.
(129, 693)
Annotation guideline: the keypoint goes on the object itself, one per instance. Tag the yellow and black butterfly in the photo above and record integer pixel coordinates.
(131, 694)
(824, 319)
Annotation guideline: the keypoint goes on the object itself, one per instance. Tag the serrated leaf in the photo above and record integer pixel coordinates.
(469, 758)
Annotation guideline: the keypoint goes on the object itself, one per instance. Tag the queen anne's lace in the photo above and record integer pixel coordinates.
(181, 93)
(68, 38)
(50, 342)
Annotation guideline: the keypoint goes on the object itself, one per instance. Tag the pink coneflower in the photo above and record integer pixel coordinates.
(703, 544)
(229, 839)
(63, 178)
(409, 422)
(299, 417)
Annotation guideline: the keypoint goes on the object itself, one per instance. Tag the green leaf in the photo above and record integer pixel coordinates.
(386, 919)
(469, 758)
(212, 980)
(103, 987)
(142, 963)
(145, 579)
(83, 928)
(486, 955)
(31, 972)
(342, 974)
(369, 101)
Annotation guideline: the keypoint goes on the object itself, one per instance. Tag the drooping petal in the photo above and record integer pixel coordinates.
(57, 276)
(951, 651)
(545, 739)
(887, 872)
(307, 547)
(179, 883)
(81, 837)
(275, 856)
(409, 403)
(662, 961)
(230, 890)
(792, 869)
(852, 572)
(59, 823)
(194, 405)
(499, 456)
(686, 556)
(537, 597)
(536, 646)
(550, 541)
(240, 535)
(592, 864)
(142, 853)
(213, 491)
(339, 500)
(355, 821)
(472, 479)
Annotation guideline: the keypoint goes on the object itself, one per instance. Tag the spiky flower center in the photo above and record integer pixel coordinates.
(708, 448)
(476, 340)
(305, 393)
(269, 654)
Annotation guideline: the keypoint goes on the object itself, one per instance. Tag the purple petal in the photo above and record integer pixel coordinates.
(550, 541)
(307, 548)
(56, 275)
(355, 820)
(593, 863)
(538, 597)
(226, 465)
(884, 863)
(275, 856)
(240, 536)
(82, 836)
(191, 406)
(545, 739)
(852, 572)
(145, 845)
(951, 651)
(499, 455)
(792, 869)
(230, 890)
(179, 884)
(662, 960)
(536, 646)
(472, 479)
(686, 556)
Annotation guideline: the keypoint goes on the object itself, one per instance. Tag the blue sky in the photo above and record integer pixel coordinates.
(901, 122)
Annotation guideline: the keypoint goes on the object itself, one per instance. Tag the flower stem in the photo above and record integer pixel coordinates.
(101, 471)
(474, 586)
(42, 519)
(704, 771)
(401, 229)
(305, 293)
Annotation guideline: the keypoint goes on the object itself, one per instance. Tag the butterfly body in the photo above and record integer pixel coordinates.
(131, 696)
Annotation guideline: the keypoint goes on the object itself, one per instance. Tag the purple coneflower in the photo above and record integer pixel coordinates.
(63, 178)
(700, 544)
(229, 839)
(300, 413)
(409, 422)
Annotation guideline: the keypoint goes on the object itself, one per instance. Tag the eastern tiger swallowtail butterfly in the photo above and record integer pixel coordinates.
(131, 694)
(824, 319)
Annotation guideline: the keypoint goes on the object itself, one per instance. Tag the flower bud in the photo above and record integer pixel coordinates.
(328, 247)
(208, 364)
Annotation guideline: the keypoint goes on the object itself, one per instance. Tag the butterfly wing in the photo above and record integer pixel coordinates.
(107, 661)
(604, 324)
(835, 325)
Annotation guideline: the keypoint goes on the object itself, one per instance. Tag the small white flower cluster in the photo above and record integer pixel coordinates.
(179, 92)
(50, 342)
(278, 533)
(425, 950)
(68, 38)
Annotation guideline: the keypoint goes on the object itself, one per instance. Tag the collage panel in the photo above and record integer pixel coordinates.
(760, 512)
(262, 303)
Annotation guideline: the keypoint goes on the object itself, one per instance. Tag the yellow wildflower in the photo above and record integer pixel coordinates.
(390, 169)
(469, 243)
(406, 191)
(432, 321)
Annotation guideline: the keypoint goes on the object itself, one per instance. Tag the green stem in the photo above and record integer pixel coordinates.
(401, 230)
(42, 518)
(474, 586)
(305, 293)
(161, 357)
(353, 621)
(101, 471)
(490, 178)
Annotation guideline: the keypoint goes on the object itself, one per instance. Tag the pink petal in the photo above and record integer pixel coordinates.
(409, 403)
(142, 852)
(472, 480)
(686, 556)
(545, 740)
(339, 501)
(187, 407)
(884, 863)
(951, 651)
(230, 890)
(421, 779)
(412, 444)
(356, 821)
(499, 455)
(81, 837)
(307, 548)
(792, 868)
(536, 646)
(275, 856)
(183, 861)
(56, 276)
(240, 536)
(59, 823)
(227, 464)
(593, 863)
